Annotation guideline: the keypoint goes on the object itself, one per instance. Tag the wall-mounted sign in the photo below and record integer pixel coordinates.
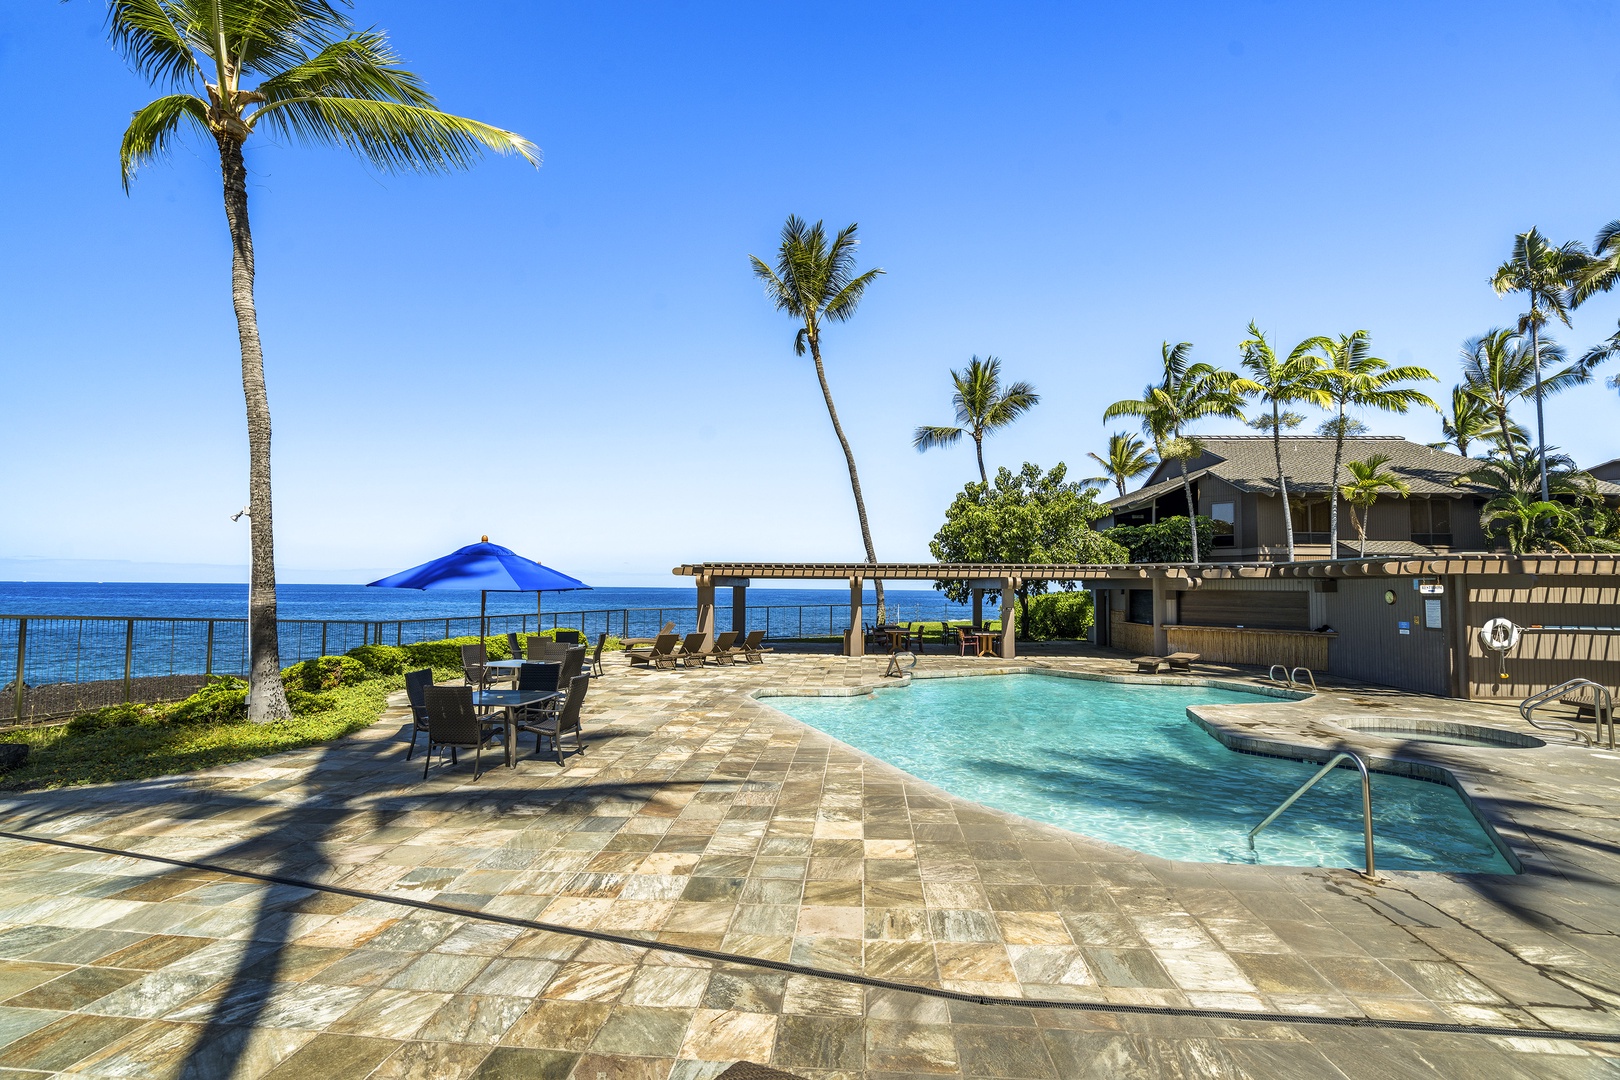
(1431, 613)
(1406, 627)
(1432, 588)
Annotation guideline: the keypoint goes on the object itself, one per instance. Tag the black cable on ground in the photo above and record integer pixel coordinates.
(854, 979)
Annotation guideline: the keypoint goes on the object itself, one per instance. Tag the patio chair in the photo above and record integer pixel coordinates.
(453, 724)
(754, 649)
(695, 646)
(725, 648)
(917, 631)
(539, 676)
(473, 671)
(594, 668)
(569, 637)
(555, 725)
(1182, 661)
(573, 662)
(661, 652)
(415, 683)
(514, 646)
(546, 650)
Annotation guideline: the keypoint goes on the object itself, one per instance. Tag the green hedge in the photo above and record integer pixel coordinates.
(1062, 616)
(325, 673)
(380, 660)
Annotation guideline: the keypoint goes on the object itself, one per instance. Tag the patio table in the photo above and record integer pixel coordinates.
(511, 701)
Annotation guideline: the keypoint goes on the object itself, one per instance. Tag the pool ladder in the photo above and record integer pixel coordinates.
(1366, 803)
(1602, 707)
(1288, 676)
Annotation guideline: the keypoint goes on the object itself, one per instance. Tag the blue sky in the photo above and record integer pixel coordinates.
(575, 359)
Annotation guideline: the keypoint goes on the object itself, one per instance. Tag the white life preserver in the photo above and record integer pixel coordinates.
(1499, 635)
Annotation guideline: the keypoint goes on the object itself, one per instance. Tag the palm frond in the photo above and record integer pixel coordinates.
(360, 65)
(391, 135)
(841, 307)
(927, 438)
(147, 34)
(153, 128)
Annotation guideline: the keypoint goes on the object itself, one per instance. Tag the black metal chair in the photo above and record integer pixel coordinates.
(594, 668)
(555, 725)
(569, 637)
(416, 682)
(473, 671)
(454, 724)
(514, 646)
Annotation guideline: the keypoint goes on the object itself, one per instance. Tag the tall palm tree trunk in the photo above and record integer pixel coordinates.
(1192, 509)
(1507, 439)
(1282, 481)
(854, 477)
(1541, 431)
(978, 448)
(1333, 488)
(267, 699)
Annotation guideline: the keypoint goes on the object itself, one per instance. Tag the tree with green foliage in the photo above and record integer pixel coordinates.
(1187, 393)
(815, 282)
(1023, 517)
(1284, 381)
(1128, 457)
(983, 406)
(1356, 379)
(1368, 480)
(1545, 274)
(299, 71)
(1470, 421)
(1607, 349)
(1574, 519)
(1164, 541)
(1499, 369)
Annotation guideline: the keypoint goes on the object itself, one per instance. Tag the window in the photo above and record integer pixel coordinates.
(1224, 515)
(1312, 520)
(1141, 607)
(1431, 522)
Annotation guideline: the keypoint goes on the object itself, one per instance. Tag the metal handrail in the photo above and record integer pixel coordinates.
(1602, 706)
(1366, 802)
(1272, 674)
(1308, 675)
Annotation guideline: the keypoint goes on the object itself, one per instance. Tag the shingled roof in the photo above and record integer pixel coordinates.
(1247, 462)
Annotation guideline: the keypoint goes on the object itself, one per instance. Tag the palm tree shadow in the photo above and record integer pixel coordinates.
(297, 842)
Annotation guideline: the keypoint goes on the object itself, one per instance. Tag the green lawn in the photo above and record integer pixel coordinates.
(154, 746)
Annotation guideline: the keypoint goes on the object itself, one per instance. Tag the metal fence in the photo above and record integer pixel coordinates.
(56, 665)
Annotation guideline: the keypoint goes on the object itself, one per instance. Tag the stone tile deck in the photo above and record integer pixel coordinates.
(701, 819)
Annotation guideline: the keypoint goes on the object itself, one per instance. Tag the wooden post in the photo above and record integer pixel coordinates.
(739, 608)
(705, 608)
(1457, 633)
(1161, 639)
(978, 608)
(856, 644)
(1009, 618)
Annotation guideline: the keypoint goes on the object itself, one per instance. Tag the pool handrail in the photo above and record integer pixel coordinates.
(1292, 681)
(1602, 703)
(1366, 803)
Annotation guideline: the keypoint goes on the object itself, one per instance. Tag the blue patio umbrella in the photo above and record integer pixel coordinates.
(486, 567)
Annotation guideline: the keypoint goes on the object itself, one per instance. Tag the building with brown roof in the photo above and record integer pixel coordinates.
(1235, 484)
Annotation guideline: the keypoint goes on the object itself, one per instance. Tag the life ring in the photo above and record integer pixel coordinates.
(1499, 635)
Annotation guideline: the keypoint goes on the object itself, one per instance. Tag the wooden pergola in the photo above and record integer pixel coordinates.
(1008, 577)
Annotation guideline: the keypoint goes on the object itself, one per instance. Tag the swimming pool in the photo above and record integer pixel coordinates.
(1124, 763)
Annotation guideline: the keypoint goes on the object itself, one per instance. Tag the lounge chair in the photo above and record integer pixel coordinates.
(725, 648)
(753, 648)
(1182, 661)
(695, 647)
(556, 724)
(454, 724)
(1148, 665)
(661, 652)
(415, 683)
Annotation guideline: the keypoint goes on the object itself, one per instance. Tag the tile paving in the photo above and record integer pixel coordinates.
(700, 818)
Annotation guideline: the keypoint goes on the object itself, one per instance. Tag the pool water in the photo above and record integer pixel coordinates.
(1125, 764)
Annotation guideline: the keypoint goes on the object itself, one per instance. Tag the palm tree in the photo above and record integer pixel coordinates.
(1355, 379)
(1283, 382)
(1499, 368)
(1530, 525)
(1470, 421)
(982, 406)
(318, 81)
(1368, 480)
(1188, 392)
(1544, 274)
(1600, 270)
(1128, 457)
(814, 281)
(1607, 349)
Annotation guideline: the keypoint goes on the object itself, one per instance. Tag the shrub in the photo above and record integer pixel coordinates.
(304, 703)
(1058, 615)
(379, 660)
(324, 673)
(222, 701)
(446, 653)
(1164, 541)
(111, 716)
